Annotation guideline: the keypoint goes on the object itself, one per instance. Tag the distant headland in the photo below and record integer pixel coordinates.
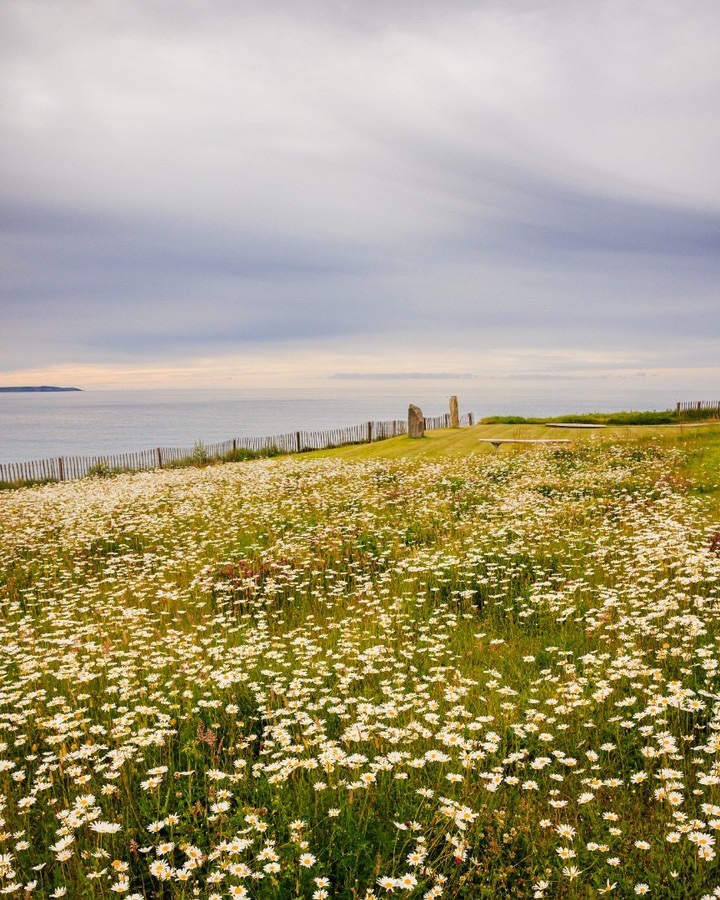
(35, 388)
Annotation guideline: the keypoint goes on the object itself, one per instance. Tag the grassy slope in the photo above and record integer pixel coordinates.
(702, 439)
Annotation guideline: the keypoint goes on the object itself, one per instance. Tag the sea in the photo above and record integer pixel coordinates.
(94, 422)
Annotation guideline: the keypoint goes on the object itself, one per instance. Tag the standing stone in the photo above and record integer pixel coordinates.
(416, 422)
(454, 413)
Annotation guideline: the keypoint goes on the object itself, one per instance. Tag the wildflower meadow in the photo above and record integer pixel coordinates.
(459, 674)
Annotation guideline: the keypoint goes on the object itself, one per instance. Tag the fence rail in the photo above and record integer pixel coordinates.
(705, 408)
(69, 468)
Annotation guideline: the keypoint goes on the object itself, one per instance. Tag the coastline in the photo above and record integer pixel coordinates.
(37, 389)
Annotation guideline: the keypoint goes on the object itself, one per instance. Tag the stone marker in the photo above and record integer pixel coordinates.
(416, 422)
(454, 414)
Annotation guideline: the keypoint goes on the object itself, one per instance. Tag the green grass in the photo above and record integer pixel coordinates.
(464, 441)
(29, 482)
(653, 417)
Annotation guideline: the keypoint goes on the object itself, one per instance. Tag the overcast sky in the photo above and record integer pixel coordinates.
(227, 193)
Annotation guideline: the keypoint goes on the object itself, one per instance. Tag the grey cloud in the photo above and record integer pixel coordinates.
(140, 287)
(268, 111)
(536, 216)
(182, 176)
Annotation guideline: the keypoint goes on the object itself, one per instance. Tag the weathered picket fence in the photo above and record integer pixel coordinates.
(699, 408)
(69, 468)
(432, 422)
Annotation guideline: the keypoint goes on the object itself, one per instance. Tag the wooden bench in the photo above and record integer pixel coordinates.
(497, 441)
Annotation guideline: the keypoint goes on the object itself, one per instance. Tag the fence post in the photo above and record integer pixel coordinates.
(471, 419)
(159, 458)
(369, 432)
(234, 446)
(297, 441)
(61, 469)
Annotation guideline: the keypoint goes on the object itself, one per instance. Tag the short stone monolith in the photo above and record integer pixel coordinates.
(416, 422)
(454, 412)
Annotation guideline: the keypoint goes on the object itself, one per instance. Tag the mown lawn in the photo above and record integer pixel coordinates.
(422, 669)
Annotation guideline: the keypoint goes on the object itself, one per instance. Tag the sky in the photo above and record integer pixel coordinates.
(226, 193)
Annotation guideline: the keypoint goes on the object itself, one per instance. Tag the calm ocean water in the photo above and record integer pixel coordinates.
(41, 425)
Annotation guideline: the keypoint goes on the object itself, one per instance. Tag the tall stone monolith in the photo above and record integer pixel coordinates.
(454, 413)
(416, 422)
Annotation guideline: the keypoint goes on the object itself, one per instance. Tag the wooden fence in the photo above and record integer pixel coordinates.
(69, 468)
(698, 408)
(432, 422)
